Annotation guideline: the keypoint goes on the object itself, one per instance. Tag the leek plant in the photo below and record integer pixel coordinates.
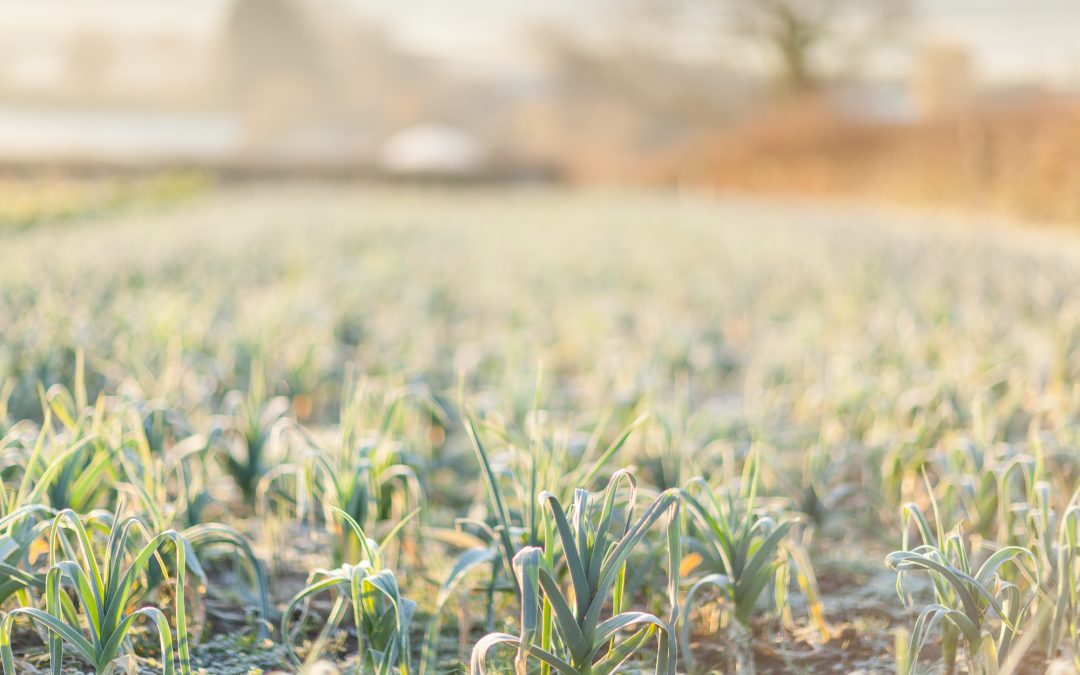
(562, 630)
(106, 586)
(973, 604)
(380, 615)
(363, 467)
(1055, 539)
(163, 485)
(740, 552)
(249, 432)
(528, 466)
(84, 449)
(983, 487)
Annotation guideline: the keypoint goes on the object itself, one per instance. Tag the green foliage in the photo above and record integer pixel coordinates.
(365, 468)
(741, 552)
(381, 616)
(972, 603)
(1055, 540)
(595, 551)
(105, 586)
(250, 429)
(838, 358)
(542, 461)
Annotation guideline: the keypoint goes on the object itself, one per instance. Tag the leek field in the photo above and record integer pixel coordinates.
(334, 429)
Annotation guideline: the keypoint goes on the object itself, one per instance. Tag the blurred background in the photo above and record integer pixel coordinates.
(970, 103)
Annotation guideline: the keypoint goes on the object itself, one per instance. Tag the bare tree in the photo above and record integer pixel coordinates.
(800, 32)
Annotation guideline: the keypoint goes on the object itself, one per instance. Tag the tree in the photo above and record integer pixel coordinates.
(800, 33)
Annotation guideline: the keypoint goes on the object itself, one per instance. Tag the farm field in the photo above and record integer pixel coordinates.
(417, 430)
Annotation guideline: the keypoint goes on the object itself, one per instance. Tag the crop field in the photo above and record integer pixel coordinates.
(370, 430)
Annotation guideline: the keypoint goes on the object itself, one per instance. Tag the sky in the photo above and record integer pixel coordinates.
(1010, 39)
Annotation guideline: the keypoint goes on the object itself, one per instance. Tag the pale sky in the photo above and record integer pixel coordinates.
(1011, 39)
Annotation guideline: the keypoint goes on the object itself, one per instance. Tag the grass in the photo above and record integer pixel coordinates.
(32, 201)
(589, 433)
